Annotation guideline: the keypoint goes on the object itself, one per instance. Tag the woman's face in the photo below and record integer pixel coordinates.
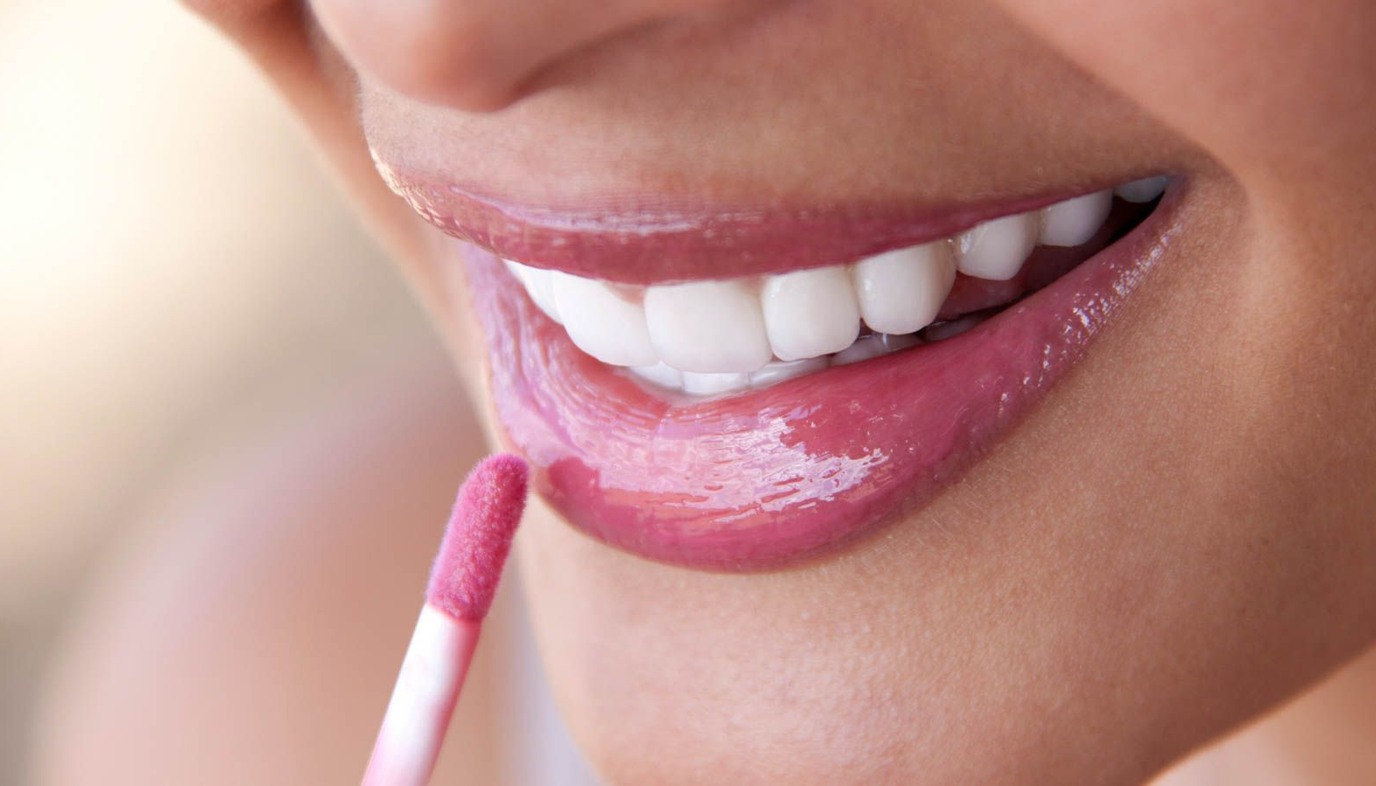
(1067, 546)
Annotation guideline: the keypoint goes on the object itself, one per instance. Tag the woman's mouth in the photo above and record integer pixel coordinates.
(749, 422)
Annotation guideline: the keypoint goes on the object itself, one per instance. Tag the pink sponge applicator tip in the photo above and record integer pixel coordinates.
(478, 537)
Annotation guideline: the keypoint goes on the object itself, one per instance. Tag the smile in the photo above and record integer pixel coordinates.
(728, 335)
(751, 422)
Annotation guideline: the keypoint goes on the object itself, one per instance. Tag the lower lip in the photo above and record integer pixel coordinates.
(800, 469)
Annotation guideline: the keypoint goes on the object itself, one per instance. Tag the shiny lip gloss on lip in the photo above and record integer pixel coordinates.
(779, 475)
(651, 241)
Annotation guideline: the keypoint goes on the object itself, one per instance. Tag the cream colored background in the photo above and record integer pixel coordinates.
(174, 268)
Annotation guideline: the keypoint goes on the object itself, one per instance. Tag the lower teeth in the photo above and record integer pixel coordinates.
(873, 346)
(944, 330)
(867, 347)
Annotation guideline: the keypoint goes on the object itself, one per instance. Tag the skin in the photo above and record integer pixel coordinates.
(1179, 540)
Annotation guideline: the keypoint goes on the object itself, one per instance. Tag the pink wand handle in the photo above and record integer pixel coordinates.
(423, 700)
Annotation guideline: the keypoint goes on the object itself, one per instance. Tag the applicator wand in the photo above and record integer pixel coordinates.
(462, 583)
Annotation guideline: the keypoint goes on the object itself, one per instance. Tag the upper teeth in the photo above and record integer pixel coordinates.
(708, 337)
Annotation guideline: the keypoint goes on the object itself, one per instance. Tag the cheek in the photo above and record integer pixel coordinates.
(227, 11)
(1269, 84)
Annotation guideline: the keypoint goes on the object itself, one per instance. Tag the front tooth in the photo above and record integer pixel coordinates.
(1075, 221)
(707, 326)
(539, 285)
(1144, 190)
(810, 313)
(610, 328)
(712, 384)
(778, 371)
(901, 291)
(995, 250)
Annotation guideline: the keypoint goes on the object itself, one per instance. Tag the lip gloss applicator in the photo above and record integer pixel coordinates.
(462, 583)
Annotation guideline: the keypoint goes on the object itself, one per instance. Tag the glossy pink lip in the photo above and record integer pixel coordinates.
(647, 241)
(769, 478)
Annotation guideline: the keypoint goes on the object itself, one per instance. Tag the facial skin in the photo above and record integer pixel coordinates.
(1180, 538)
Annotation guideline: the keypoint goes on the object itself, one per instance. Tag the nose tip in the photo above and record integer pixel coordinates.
(474, 55)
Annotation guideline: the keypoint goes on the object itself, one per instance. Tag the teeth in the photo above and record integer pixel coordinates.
(1144, 190)
(810, 313)
(777, 372)
(901, 291)
(872, 347)
(713, 384)
(710, 338)
(707, 326)
(953, 328)
(540, 286)
(660, 374)
(995, 250)
(1074, 221)
(601, 323)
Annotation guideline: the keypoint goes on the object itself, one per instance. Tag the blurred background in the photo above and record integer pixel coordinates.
(176, 271)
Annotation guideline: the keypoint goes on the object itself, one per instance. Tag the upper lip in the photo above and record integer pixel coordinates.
(650, 240)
